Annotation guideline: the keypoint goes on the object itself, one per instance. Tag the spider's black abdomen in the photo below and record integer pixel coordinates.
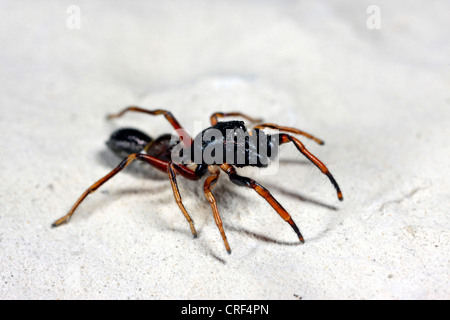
(230, 142)
(126, 141)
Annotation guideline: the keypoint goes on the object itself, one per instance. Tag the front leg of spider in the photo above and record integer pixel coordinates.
(210, 182)
(263, 192)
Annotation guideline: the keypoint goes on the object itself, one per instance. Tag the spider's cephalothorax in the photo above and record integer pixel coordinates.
(229, 142)
(222, 147)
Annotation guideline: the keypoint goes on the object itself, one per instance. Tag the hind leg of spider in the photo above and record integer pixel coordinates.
(263, 192)
(210, 182)
(171, 171)
(162, 165)
(284, 138)
(290, 130)
(215, 117)
(187, 140)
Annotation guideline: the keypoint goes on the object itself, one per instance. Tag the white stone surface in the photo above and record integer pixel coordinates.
(379, 98)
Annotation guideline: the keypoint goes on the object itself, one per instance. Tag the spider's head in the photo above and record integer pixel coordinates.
(230, 142)
(254, 148)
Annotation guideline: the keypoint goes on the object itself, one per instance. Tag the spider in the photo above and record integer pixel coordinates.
(133, 145)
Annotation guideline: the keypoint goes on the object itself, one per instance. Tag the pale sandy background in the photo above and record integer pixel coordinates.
(379, 98)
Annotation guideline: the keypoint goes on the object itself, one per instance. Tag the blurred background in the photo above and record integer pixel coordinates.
(370, 78)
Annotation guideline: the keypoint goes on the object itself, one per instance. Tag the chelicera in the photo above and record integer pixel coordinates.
(133, 144)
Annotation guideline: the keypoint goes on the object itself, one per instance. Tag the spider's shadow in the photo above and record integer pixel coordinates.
(223, 191)
(276, 189)
(297, 195)
(259, 235)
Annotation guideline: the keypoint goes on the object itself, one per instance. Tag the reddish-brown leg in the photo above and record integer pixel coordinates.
(215, 116)
(159, 164)
(167, 114)
(162, 165)
(210, 182)
(263, 192)
(288, 129)
(171, 169)
(284, 138)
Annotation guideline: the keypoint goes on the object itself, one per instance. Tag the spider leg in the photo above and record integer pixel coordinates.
(215, 116)
(167, 114)
(263, 192)
(284, 138)
(288, 129)
(208, 185)
(171, 169)
(162, 165)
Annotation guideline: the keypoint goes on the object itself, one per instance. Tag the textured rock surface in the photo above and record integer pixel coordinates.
(378, 97)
